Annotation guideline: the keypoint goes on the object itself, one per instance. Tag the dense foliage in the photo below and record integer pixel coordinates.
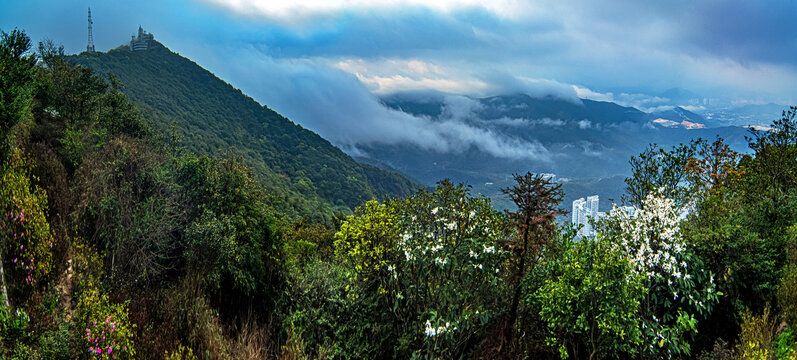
(122, 242)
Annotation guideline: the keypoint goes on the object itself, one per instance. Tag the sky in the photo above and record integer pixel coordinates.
(324, 63)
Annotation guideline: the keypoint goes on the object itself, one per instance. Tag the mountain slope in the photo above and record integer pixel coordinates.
(214, 116)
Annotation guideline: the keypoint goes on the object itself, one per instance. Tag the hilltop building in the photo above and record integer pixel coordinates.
(141, 43)
(583, 211)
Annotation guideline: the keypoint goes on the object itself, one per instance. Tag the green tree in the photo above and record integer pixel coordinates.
(590, 301)
(775, 163)
(657, 169)
(233, 244)
(17, 72)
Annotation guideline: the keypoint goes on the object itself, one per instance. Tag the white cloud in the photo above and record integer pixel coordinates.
(302, 10)
(518, 122)
(340, 108)
(643, 102)
(585, 93)
(387, 76)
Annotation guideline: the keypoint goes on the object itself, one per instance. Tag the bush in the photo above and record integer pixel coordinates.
(679, 290)
(54, 344)
(102, 329)
(756, 339)
(24, 224)
(590, 301)
(431, 264)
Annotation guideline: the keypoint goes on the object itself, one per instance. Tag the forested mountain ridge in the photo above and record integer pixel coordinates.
(212, 116)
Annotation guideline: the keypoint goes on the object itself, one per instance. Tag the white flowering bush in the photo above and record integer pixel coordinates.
(449, 243)
(440, 270)
(678, 289)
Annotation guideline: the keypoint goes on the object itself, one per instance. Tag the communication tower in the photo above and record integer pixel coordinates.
(90, 46)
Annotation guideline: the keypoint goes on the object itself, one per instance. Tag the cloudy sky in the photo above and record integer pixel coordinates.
(324, 62)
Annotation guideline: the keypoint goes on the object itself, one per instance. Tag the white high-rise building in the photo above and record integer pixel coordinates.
(578, 211)
(583, 211)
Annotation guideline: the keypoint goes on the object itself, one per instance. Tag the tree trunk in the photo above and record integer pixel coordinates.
(3, 280)
(518, 279)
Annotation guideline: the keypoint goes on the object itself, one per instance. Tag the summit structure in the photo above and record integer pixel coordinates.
(141, 43)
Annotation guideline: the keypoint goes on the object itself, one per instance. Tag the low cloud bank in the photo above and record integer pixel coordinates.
(337, 106)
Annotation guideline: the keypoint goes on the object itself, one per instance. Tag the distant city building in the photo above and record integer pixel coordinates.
(583, 212)
(141, 43)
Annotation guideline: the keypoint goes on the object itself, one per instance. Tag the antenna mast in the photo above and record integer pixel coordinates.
(90, 46)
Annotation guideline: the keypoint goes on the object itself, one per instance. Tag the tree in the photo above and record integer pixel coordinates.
(712, 166)
(537, 200)
(17, 71)
(590, 301)
(775, 163)
(657, 169)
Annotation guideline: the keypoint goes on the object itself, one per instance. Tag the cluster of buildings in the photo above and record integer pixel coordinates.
(586, 210)
(141, 42)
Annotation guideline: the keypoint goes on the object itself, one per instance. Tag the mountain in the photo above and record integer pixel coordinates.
(586, 143)
(680, 117)
(213, 116)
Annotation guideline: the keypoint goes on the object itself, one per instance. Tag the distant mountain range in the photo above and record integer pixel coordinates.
(212, 116)
(587, 144)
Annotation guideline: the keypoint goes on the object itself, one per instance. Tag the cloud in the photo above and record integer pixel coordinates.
(643, 102)
(501, 83)
(337, 106)
(306, 10)
(518, 122)
(694, 108)
(460, 108)
(389, 76)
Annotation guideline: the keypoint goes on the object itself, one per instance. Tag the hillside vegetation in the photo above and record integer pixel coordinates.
(118, 242)
(211, 116)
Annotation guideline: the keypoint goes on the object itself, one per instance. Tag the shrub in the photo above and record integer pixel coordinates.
(102, 327)
(679, 290)
(27, 236)
(431, 264)
(54, 344)
(756, 339)
(590, 301)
